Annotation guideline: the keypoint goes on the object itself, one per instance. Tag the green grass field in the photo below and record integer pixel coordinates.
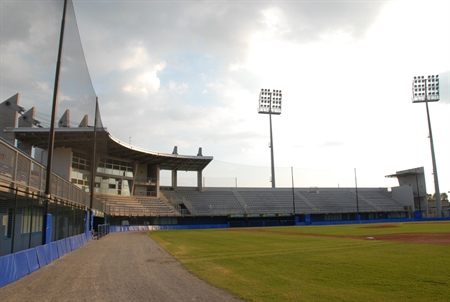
(284, 264)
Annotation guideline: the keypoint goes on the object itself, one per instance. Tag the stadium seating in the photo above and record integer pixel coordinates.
(220, 201)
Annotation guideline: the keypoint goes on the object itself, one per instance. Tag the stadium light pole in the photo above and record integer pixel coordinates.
(270, 103)
(426, 90)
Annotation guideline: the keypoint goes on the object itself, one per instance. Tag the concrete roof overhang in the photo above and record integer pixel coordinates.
(410, 172)
(82, 139)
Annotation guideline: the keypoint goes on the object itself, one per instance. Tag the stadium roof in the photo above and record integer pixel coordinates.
(409, 172)
(82, 138)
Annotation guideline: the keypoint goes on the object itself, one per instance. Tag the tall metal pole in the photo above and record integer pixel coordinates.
(293, 193)
(93, 161)
(418, 194)
(271, 143)
(435, 174)
(357, 201)
(51, 140)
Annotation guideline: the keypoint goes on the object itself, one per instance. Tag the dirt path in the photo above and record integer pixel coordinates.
(118, 267)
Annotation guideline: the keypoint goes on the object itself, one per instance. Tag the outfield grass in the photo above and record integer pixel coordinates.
(281, 264)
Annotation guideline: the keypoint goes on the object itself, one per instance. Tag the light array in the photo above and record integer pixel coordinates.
(425, 89)
(269, 101)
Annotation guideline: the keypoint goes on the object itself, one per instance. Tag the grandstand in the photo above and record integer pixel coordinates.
(248, 201)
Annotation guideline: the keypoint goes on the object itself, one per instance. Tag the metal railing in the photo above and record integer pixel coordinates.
(18, 169)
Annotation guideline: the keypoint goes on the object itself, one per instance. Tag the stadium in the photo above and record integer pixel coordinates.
(98, 184)
(127, 194)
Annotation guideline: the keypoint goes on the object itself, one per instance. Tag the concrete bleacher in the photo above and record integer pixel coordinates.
(223, 201)
(216, 202)
(137, 206)
(273, 201)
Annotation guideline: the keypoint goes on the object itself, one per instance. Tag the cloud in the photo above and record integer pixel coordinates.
(189, 73)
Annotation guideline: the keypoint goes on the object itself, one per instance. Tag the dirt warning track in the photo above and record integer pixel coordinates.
(118, 267)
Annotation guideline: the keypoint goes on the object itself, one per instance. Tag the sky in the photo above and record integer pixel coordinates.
(189, 73)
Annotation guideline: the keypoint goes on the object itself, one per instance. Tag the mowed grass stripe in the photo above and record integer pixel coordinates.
(270, 266)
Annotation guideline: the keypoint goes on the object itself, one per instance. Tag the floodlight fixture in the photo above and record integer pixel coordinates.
(424, 90)
(270, 103)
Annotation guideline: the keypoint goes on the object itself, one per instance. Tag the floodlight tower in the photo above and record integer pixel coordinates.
(270, 103)
(426, 90)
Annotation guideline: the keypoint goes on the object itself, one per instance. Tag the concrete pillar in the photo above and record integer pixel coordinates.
(158, 172)
(26, 120)
(199, 181)
(175, 179)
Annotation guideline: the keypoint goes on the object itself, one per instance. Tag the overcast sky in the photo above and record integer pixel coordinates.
(188, 74)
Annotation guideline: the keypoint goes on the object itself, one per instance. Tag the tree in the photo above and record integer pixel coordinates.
(444, 196)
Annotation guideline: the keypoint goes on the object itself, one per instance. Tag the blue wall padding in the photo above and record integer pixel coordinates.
(61, 247)
(307, 219)
(21, 264)
(68, 246)
(73, 243)
(7, 270)
(164, 227)
(54, 249)
(80, 240)
(48, 253)
(48, 229)
(87, 221)
(41, 256)
(83, 239)
(33, 263)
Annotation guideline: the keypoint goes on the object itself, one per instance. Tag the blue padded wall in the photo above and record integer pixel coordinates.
(33, 263)
(21, 261)
(54, 251)
(68, 246)
(61, 247)
(41, 256)
(7, 270)
(48, 253)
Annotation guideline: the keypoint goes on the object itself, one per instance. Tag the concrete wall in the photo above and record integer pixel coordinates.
(404, 195)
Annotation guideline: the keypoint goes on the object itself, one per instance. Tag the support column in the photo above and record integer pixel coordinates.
(158, 172)
(174, 179)
(199, 181)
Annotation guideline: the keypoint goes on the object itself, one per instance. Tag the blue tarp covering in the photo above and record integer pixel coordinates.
(68, 246)
(54, 251)
(21, 264)
(7, 270)
(48, 253)
(32, 258)
(61, 247)
(41, 256)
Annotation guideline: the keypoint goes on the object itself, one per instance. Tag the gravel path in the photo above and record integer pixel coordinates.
(118, 267)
